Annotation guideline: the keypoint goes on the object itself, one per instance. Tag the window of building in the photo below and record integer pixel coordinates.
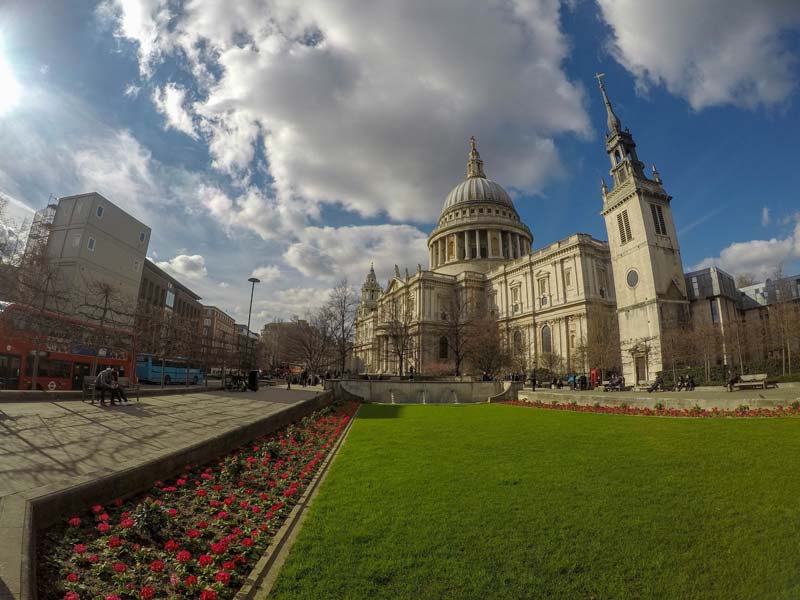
(624, 227)
(695, 287)
(90, 244)
(632, 278)
(170, 298)
(517, 342)
(99, 212)
(567, 278)
(141, 237)
(443, 349)
(547, 342)
(714, 311)
(658, 219)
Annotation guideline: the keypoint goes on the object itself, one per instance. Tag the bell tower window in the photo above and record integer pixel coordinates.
(658, 219)
(624, 225)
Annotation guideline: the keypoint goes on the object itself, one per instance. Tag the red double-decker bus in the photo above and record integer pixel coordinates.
(55, 351)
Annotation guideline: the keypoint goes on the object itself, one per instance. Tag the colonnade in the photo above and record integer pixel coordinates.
(477, 244)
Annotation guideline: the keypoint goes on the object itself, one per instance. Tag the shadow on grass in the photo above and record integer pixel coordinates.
(379, 411)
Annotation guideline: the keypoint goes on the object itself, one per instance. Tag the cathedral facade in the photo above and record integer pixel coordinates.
(550, 302)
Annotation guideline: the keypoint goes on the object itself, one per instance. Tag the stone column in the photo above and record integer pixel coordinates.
(489, 249)
(466, 245)
(477, 243)
(519, 246)
(441, 253)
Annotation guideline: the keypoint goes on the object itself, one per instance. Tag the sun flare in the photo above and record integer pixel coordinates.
(10, 90)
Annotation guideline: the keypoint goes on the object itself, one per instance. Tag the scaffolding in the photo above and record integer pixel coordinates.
(39, 234)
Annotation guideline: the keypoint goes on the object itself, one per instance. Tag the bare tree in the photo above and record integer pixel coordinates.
(783, 319)
(341, 307)
(397, 319)
(602, 342)
(485, 345)
(745, 279)
(310, 341)
(457, 325)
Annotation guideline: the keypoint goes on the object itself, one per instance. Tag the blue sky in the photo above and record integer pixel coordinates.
(301, 141)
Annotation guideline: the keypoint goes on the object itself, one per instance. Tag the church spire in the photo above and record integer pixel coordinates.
(474, 164)
(614, 126)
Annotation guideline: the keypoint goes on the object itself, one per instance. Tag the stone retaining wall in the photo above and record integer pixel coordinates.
(423, 392)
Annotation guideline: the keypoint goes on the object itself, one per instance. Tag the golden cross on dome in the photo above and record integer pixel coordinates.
(472, 142)
(599, 77)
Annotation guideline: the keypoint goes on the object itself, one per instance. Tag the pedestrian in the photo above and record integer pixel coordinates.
(288, 381)
(733, 378)
(116, 389)
(103, 382)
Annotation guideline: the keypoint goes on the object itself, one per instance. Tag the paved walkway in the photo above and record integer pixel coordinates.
(52, 443)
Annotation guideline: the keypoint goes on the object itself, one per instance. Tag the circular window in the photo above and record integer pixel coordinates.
(633, 278)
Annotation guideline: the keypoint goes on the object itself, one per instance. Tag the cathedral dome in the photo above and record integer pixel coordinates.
(477, 189)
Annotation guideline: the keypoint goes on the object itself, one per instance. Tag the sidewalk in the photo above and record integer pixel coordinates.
(54, 444)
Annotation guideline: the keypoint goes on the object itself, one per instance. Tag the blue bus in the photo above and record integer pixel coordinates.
(149, 369)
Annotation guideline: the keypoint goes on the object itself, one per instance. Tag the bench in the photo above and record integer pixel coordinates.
(758, 380)
(90, 391)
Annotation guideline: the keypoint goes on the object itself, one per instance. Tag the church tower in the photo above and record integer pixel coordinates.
(645, 256)
(370, 292)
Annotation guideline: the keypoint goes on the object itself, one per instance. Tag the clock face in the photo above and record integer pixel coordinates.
(633, 278)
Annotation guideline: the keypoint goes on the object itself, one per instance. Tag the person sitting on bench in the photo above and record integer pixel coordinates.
(658, 385)
(733, 379)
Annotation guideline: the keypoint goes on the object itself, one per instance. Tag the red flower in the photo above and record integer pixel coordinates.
(171, 546)
(147, 592)
(229, 565)
(96, 509)
(222, 515)
(93, 558)
(120, 567)
(193, 533)
(183, 556)
(201, 492)
(247, 542)
(103, 517)
(191, 580)
(118, 502)
(74, 522)
(112, 597)
(115, 542)
(205, 560)
(103, 527)
(72, 578)
(71, 596)
(219, 547)
(79, 548)
(202, 525)
(126, 523)
(223, 577)
(172, 512)
(157, 566)
(208, 595)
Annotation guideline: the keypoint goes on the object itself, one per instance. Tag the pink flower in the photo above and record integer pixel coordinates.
(72, 578)
(157, 566)
(120, 567)
(223, 577)
(74, 522)
(112, 597)
(79, 548)
(147, 592)
(184, 556)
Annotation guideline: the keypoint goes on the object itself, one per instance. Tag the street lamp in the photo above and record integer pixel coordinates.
(253, 281)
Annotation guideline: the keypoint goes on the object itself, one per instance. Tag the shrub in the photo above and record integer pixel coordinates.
(624, 406)
(574, 403)
(659, 406)
(743, 408)
(796, 405)
(696, 410)
(597, 405)
(150, 520)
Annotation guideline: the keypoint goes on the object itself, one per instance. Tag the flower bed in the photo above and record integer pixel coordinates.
(197, 536)
(662, 411)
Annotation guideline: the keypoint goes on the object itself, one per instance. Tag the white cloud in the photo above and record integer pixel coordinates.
(320, 252)
(765, 218)
(169, 101)
(267, 273)
(286, 303)
(185, 266)
(132, 91)
(759, 257)
(712, 52)
(348, 110)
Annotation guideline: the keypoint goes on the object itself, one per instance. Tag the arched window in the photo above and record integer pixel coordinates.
(443, 348)
(517, 342)
(547, 343)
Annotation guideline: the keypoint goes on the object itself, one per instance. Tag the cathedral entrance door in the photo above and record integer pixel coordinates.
(641, 370)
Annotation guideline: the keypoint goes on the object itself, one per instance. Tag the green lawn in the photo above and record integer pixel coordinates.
(495, 501)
